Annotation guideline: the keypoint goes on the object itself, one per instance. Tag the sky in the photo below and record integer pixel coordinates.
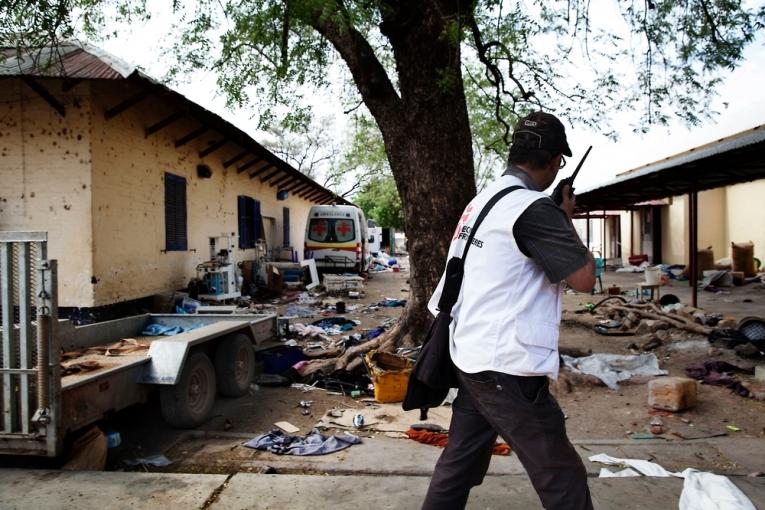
(740, 103)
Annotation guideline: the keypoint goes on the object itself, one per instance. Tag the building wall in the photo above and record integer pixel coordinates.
(729, 214)
(128, 199)
(713, 221)
(674, 231)
(45, 180)
(745, 220)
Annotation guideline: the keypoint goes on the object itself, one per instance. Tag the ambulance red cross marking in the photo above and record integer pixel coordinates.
(344, 228)
(319, 228)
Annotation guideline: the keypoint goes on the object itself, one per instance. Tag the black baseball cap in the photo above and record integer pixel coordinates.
(541, 130)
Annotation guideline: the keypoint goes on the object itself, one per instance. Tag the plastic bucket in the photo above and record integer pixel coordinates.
(653, 275)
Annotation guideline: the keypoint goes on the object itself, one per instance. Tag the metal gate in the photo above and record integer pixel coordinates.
(30, 382)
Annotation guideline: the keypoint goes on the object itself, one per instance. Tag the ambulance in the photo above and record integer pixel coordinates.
(336, 238)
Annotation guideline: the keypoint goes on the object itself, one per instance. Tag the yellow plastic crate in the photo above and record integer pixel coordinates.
(390, 375)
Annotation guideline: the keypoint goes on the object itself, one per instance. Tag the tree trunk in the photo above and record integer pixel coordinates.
(430, 153)
(426, 132)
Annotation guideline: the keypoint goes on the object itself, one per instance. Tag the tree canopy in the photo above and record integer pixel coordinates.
(442, 79)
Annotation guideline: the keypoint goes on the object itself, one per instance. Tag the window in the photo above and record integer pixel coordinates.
(344, 231)
(319, 230)
(175, 213)
(250, 221)
(286, 226)
(331, 230)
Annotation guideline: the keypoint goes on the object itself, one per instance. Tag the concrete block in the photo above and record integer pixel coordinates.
(672, 393)
(759, 372)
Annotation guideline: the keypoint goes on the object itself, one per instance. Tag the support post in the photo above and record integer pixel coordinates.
(632, 232)
(693, 241)
(587, 218)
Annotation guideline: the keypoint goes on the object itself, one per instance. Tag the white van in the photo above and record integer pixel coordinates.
(375, 238)
(336, 238)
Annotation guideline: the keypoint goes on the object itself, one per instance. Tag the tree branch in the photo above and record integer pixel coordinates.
(368, 73)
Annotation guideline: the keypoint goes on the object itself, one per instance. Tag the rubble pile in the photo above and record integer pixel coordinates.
(671, 324)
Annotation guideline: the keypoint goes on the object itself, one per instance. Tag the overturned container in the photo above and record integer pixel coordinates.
(390, 375)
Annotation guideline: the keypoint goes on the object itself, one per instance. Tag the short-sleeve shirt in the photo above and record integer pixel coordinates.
(544, 233)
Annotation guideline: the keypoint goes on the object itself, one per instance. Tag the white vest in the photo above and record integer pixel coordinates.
(507, 315)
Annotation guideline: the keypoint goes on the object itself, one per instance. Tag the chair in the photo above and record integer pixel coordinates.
(600, 265)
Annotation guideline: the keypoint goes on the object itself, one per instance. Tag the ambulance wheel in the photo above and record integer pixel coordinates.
(188, 403)
(234, 365)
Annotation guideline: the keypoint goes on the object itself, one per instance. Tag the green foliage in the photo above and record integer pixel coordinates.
(662, 59)
(380, 201)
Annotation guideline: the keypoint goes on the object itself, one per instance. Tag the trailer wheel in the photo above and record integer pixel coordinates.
(234, 365)
(188, 403)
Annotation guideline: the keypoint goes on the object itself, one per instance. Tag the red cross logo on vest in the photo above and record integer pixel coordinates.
(463, 221)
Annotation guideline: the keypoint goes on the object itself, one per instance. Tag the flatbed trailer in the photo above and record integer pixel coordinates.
(43, 399)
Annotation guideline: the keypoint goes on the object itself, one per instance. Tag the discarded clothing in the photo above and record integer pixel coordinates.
(442, 438)
(612, 368)
(392, 302)
(309, 331)
(159, 329)
(312, 444)
(299, 311)
(374, 333)
(335, 324)
(80, 367)
(718, 373)
(701, 490)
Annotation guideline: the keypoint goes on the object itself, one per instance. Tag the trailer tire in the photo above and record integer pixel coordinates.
(188, 403)
(234, 365)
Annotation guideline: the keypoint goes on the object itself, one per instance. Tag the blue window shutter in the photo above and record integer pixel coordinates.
(257, 221)
(286, 225)
(244, 224)
(175, 213)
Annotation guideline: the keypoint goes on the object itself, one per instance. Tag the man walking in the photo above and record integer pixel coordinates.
(504, 332)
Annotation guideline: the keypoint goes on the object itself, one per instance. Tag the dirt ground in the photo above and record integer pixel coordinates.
(593, 412)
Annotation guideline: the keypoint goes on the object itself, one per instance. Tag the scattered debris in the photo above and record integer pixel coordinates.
(700, 489)
(158, 460)
(438, 438)
(719, 373)
(672, 394)
(80, 367)
(287, 427)
(612, 368)
(314, 443)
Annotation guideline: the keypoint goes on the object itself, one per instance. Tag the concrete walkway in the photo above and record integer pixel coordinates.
(385, 480)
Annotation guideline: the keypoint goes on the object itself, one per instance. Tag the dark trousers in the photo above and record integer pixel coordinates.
(523, 412)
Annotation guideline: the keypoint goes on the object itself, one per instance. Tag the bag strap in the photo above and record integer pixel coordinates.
(455, 266)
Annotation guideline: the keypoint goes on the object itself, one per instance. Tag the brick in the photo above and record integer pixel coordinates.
(672, 393)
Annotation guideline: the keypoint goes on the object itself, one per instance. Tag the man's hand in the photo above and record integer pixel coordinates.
(569, 201)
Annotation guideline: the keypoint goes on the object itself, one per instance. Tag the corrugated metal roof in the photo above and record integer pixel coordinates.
(70, 60)
(731, 160)
(76, 60)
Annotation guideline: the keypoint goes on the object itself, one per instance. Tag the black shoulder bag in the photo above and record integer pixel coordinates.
(433, 373)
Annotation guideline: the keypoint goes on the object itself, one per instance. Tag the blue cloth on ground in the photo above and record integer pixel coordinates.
(159, 329)
(340, 323)
(312, 444)
(392, 302)
(374, 333)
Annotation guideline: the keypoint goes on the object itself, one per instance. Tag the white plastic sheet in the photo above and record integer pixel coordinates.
(701, 490)
(612, 368)
(707, 491)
